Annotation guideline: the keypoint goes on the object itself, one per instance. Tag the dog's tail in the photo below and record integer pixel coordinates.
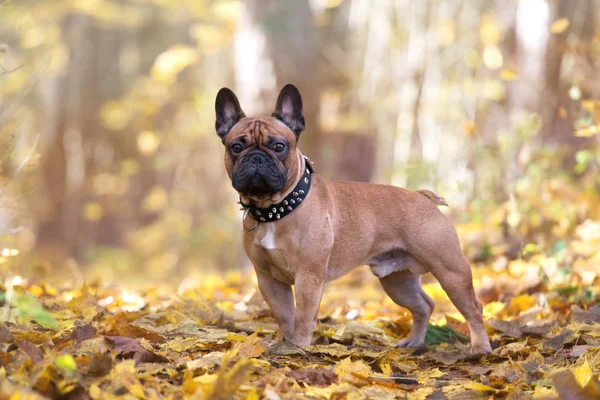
(435, 198)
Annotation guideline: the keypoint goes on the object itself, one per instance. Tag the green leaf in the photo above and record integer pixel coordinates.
(442, 334)
(27, 306)
(566, 291)
(587, 296)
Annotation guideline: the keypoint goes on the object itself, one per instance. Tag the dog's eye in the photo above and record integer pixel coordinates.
(279, 147)
(236, 147)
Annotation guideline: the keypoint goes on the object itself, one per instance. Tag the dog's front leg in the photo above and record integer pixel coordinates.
(309, 289)
(280, 299)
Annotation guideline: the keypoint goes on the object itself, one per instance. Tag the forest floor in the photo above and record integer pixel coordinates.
(211, 339)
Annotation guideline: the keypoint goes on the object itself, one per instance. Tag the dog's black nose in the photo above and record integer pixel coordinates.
(257, 158)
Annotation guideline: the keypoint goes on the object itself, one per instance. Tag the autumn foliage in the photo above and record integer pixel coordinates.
(214, 339)
(122, 274)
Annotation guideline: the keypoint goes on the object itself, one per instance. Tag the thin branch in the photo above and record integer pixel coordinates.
(23, 163)
(15, 104)
(6, 71)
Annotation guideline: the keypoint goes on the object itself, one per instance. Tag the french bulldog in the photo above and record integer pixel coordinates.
(304, 230)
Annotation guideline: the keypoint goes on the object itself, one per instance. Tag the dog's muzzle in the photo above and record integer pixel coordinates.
(258, 174)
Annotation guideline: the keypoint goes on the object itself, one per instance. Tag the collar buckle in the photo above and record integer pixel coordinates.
(246, 213)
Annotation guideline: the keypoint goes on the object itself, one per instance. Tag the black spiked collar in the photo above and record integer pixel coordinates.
(275, 212)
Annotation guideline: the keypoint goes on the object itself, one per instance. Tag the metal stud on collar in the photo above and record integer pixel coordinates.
(275, 212)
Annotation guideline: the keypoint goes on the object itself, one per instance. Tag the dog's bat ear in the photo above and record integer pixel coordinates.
(289, 109)
(228, 110)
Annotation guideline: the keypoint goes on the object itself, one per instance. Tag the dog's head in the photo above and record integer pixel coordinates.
(260, 153)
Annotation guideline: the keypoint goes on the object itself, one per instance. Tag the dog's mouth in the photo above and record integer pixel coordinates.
(257, 175)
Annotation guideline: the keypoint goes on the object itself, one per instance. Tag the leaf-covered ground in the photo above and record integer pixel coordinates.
(212, 338)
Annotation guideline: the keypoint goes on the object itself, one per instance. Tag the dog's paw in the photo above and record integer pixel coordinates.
(480, 350)
(285, 348)
(410, 343)
(302, 342)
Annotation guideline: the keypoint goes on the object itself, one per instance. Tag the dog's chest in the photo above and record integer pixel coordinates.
(268, 253)
(265, 238)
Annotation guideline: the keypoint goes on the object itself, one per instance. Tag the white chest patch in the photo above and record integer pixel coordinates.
(268, 240)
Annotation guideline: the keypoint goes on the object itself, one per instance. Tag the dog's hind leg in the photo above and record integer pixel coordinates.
(404, 288)
(457, 282)
(435, 243)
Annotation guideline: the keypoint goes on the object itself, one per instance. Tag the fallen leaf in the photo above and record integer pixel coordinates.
(132, 348)
(315, 377)
(94, 345)
(84, 332)
(355, 372)
(479, 387)
(252, 347)
(591, 316)
(517, 329)
(167, 323)
(583, 373)
(228, 379)
(447, 357)
(206, 362)
(334, 350)
(560, 340)
(442, 334)
(437, 395)
(100, 364)
(397, 359)
(67, 364)
(567, 387)
(201, 310)
(119, 326)
(44, 380)
(5, 335)
(32, 351)
(533, 364)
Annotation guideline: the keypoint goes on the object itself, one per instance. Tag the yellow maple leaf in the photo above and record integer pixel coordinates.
(353, 372)
(386, 369)
(519, 304)
(479, 387)
(493, 308)
(583, 373)
(251, 347)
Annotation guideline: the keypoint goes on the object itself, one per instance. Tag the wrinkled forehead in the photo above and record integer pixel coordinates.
(258, 130)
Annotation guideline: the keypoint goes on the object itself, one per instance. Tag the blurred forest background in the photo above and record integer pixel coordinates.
(110, 165)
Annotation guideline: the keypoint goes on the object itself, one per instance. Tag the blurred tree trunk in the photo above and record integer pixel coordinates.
(290, 52)
(589, 17)
(77, 145)
(556, 129)
(74, 138)
(557, 106)
(415, 177)
(493, 183)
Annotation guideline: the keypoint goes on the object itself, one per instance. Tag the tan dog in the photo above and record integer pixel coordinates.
(305, 230)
